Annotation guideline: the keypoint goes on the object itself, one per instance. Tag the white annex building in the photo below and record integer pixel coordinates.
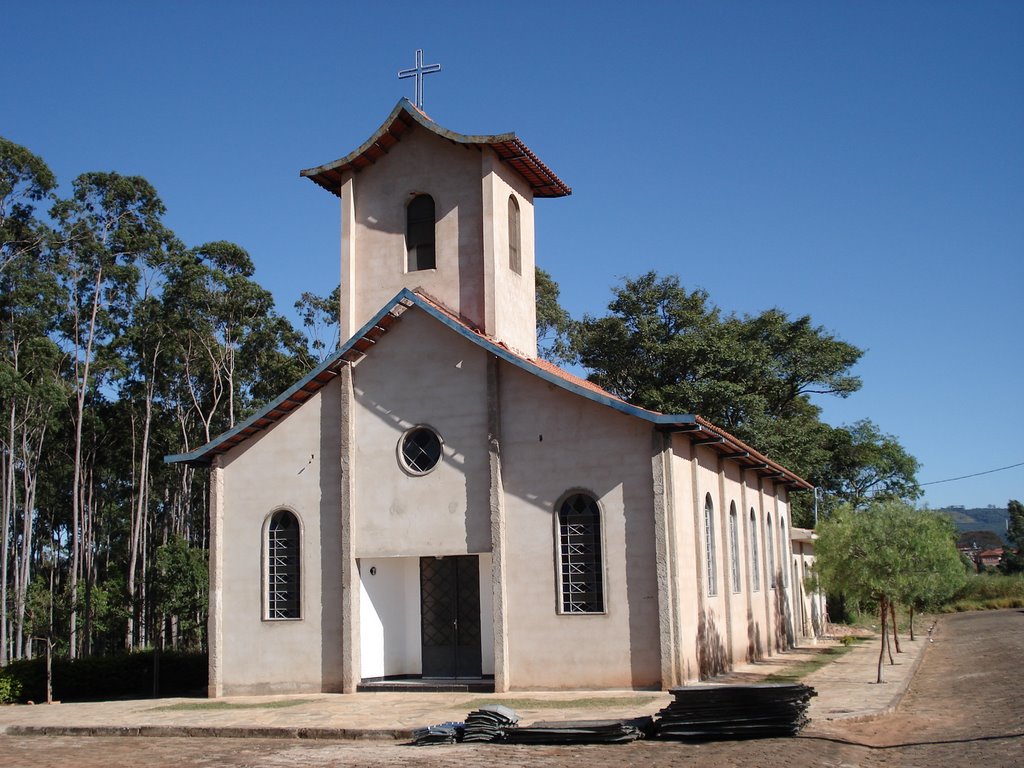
(435, 503)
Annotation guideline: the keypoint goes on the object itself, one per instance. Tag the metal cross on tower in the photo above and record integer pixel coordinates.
(418, 72)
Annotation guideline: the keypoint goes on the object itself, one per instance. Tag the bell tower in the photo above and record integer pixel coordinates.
(445, 214)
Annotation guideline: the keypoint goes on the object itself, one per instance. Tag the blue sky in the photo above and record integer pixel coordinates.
(861, 162)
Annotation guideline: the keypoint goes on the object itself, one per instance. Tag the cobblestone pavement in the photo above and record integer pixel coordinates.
(963, 707)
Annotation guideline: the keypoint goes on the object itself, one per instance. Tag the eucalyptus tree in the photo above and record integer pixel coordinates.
(320, 319)
(147, 350)
(30, 384)
(109, 224)
(25, 181)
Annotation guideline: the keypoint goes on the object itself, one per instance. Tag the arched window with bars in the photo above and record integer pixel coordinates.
(580, 555)
(282, 566)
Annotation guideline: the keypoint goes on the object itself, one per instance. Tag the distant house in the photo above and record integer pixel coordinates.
(988, 558)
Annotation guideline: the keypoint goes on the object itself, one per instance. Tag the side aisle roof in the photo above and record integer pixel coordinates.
(699, 430)
(509, 148)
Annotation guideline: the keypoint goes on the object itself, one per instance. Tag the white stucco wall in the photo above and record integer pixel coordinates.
(736, 624)
(554, 442)
(389, 622)
(390, 635)
(713, 641)
(511, 307)
(688, 548)
(421, 163)
(421, 374)
(293, 465)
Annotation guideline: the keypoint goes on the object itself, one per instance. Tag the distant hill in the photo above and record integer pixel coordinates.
(979, 519)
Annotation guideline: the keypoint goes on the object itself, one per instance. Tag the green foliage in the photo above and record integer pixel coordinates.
(886, 554)
(10, 687)
(553, 322)
(1013, 557)
(320, 319)
(985, 591)
(181, 587)
(25, 180)
(99, 678)
(118, 344)
(888, 551)
(866, 465)
(671, 350)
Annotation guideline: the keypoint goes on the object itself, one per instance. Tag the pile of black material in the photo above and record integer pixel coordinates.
(582, 732)
(443, 733)
(710, 712)
(491, 723)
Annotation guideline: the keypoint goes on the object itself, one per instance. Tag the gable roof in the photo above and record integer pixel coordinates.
(699, 430)
(509, 148)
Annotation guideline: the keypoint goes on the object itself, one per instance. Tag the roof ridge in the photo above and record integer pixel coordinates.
(522, 159)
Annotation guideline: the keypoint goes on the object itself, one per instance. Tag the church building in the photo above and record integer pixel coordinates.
(436, 504)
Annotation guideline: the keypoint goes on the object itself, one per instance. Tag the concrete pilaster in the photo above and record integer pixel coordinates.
(350, 661)
(667, 573)
(497, 504)
(724, 564)
(215, 622)
(347, 295)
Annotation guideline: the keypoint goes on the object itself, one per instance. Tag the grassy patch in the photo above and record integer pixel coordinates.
(988, 604)
(591, 702)
(800, 670)
(201, 706)
(988, 591)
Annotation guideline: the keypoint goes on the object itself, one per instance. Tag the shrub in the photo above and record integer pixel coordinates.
(10, 687)
(122, 676)
(988, 591)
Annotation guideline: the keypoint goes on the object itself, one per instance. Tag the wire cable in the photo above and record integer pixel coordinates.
(976, 474)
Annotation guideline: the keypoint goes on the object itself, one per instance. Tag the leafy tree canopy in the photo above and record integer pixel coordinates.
(886, 553)
(25, 180)
(553, 322)
(672, 350)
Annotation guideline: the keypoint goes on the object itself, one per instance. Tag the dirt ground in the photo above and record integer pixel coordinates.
(965, 707)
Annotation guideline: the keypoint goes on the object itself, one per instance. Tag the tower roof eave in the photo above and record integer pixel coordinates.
(508, 147)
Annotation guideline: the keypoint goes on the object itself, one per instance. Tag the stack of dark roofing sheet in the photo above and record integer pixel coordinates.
(708, 712)
(490, 723)
(582, 732)
(443, 733)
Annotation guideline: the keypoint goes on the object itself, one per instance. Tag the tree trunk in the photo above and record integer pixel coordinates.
(23, 574)
(895, 626)
(885, 635)
(911, 622)
(8, 509)
(140, 511)
(82, 386)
